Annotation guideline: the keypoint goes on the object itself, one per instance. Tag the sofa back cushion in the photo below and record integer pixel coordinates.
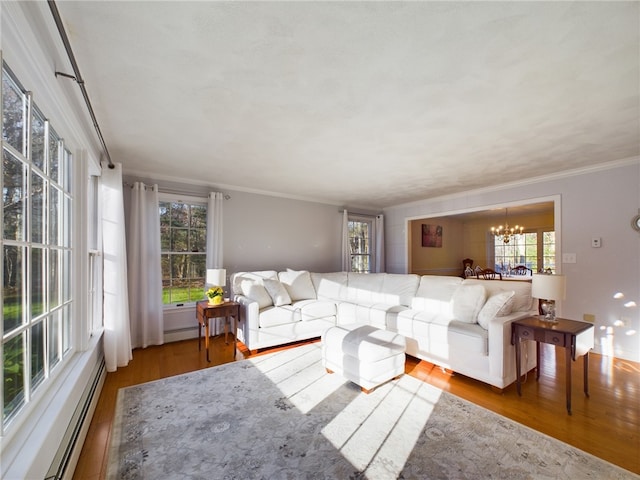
(239, 277)
(330, 286)
(522, 299)
(298, 283)
(435, 293)
(399, 289)
(363, 287)
(467, 301)
(277, 292)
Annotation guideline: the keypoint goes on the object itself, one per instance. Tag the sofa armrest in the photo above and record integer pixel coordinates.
(502, 360)
(249, 321)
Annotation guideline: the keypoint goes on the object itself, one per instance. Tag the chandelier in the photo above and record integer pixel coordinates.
(506, 232)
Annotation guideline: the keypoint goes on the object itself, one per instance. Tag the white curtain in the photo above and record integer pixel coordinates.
(346, 254)
(145, 272)
(214, 230)
(214, 245)
(117, 336)
(379, 232)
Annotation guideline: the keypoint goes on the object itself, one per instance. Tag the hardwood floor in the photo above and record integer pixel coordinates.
(606, 425)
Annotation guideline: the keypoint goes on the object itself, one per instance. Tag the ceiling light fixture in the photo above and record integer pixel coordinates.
(506, 232)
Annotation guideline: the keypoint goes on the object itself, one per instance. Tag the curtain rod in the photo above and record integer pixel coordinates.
(360, 214)
(173, 192)
(77, 77)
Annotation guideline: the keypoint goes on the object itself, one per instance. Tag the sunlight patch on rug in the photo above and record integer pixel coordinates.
(299, 375)
(386, 425)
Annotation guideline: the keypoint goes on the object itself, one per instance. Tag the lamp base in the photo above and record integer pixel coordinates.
(548, 308)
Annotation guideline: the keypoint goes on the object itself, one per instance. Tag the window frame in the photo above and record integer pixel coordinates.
(54, 323)
(371, 255)
(493, 243)
(191, 201)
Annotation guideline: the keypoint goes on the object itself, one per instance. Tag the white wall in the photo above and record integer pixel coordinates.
(597, 203)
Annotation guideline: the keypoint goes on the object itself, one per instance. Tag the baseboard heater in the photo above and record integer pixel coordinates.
(64, 463)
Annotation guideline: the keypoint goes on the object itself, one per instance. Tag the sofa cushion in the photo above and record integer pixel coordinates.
(256, 292)
(298, 284)
(329, 286)
(277, 292)
(239, 277)
(435, 293)
(467, 301)
(498, 305)
(522, 300)
(466, 338)
(399, 289)
(312, 309)
(364, 287)
(272, 316)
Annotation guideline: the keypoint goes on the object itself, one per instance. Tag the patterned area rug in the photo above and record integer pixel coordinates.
(281, 416)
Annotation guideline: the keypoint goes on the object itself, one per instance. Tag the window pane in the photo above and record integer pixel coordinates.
(198, 241)
(66, 171)
(37, 208)
(37, 139)
(66, 221)
(13, 375)
(13, 113)
(54, 338)
(13, 290)
(165, 213)
(179, 215)
(37, 353)
(54, 278)
(198, 216)
(179, 240)
(54, 216)
(66, 279)
(37, 282)
(66, 329)
(54, 155)
(13, 190)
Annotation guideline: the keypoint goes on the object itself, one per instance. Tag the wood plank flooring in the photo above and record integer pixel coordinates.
(606, 425)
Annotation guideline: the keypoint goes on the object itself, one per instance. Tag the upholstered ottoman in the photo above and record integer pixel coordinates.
(363, 354)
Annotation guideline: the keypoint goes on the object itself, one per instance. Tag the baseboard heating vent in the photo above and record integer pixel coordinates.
(66, 458)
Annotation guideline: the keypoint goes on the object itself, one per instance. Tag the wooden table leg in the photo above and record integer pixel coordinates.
(568, 377)
(586, 374)
(206, 338)
(518, 366)
(538, 365)
(235, 335)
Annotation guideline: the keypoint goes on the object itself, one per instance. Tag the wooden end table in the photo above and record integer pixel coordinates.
(562, 333)
(205, 311)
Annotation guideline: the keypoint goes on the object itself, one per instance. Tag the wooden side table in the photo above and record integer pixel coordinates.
(576, 338)
(205, 311)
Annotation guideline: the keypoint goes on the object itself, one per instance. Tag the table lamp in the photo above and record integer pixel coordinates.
(547, 289)
(216, 279)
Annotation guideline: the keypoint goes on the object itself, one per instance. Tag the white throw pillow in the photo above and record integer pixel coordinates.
(467, 301)
(498, 305)
(256, 292)
(298, 284)
(277, 292)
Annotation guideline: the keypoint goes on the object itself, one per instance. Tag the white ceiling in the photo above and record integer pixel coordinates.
(368, 104)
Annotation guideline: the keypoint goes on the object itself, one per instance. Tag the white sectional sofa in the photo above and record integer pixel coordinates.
(460, 324)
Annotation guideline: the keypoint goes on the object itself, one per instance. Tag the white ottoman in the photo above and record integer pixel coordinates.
(363, 354)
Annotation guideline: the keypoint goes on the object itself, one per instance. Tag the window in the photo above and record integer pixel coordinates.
(36, 219)
(183, 233)
(536, 250)
(361, 244)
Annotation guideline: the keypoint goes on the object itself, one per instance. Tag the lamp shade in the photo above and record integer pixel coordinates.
(216, 277)
(548, 287)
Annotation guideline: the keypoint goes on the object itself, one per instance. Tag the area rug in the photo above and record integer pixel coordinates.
(281, 416)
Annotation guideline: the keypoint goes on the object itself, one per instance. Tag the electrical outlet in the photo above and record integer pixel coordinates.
(589, 317)
(596, 242)
(569, 258)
